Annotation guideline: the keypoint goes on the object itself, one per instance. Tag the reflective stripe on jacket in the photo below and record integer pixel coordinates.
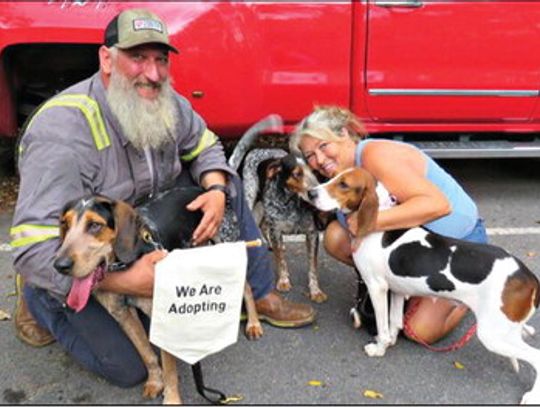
(74, 146)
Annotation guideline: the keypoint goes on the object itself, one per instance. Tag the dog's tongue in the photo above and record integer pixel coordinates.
(80, 292)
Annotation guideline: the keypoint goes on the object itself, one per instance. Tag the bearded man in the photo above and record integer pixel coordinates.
(124, 133)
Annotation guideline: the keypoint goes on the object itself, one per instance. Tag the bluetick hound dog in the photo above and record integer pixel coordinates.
(500, 290)
(276, 185)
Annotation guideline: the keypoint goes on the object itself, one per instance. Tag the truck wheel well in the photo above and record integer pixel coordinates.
(34, 73)
(38, 71)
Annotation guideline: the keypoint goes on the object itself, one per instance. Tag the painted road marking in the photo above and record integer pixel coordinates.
(5, 247)
(513, 231)
(490, 231)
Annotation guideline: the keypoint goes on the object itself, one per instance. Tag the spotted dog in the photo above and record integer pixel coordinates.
(276, 185)
(500, 290)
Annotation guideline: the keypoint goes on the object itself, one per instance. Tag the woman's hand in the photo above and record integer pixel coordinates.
(355, 244)
(352, 223)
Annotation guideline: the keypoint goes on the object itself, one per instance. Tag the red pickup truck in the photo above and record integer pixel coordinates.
(459, 78)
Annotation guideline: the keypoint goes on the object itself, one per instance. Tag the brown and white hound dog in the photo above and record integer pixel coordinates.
(500, 290)
(101, 235)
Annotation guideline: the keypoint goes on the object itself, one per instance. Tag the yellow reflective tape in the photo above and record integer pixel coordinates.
(208, 139)
(27, 241)
(91, 111)
(27, 234)
(100, 124)
(29, 227)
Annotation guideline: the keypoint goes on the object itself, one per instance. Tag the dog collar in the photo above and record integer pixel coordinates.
(117, 266)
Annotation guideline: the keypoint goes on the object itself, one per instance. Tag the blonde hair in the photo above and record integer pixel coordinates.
(325, 123)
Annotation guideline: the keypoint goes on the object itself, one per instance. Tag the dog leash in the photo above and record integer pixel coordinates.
(214, 396)
(207, 392)
(452, 347)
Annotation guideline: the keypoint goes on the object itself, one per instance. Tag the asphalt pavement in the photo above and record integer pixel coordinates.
(324, 363)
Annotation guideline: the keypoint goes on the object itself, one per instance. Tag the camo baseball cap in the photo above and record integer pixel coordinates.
(136, 27)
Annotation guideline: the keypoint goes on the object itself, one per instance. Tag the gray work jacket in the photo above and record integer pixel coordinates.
(73, 147)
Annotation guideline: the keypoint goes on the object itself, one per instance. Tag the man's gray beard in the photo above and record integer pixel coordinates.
(145, 123)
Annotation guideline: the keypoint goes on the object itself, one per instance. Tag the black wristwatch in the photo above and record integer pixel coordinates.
(218, 187)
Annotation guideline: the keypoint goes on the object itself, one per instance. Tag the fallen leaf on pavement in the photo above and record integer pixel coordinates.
(531, 254)
(316, 383)
(4, 315)
(372, 394)
(458, 365)
(233, 399)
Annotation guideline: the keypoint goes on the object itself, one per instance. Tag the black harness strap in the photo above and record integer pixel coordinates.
(196, 368)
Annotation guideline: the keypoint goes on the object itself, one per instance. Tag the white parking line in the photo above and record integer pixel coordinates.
(5, 247)
(513, 231)
(490, 231)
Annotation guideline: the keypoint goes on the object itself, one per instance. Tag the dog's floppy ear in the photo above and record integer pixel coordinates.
(125, 219)
(273, 169)
(369, 206)
(62, 217)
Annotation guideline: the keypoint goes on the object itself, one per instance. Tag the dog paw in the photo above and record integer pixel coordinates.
(152, 389)
(171, 398)
(355, 318)
(393, 337)
(375, 349)
(318, 297)
(254, 331)
(283, 285)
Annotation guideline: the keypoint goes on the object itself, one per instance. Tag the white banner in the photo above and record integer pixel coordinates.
(198, 299)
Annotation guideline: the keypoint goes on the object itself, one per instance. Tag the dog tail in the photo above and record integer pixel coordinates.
(273, 123)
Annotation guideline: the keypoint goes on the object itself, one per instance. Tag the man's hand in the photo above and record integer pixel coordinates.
(138, 279)
(212, 204)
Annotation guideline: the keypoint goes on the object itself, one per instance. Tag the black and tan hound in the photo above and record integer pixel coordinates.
(101, 235)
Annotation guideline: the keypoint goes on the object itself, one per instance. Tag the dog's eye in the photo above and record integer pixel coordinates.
(146, 236)
(94, 227)
(343, 185)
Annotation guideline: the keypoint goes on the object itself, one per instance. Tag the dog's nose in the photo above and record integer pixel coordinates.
(312, 194)
(63, 265)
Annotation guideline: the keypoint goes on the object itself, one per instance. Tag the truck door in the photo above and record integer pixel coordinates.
(452, 61)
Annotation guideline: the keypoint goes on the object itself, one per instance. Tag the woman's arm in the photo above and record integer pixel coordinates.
(402, 170)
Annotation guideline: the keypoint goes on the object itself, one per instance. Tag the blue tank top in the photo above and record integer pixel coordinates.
(464, 215)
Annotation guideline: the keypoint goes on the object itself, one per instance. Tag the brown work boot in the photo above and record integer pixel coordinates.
(278, 311)
(26, 327)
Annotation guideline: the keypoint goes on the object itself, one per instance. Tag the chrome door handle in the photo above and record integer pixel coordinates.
(399, 3)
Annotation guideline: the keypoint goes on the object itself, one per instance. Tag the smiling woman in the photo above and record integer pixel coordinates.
(333, 139)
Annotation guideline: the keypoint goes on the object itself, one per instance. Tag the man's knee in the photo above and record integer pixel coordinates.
(124, 373)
